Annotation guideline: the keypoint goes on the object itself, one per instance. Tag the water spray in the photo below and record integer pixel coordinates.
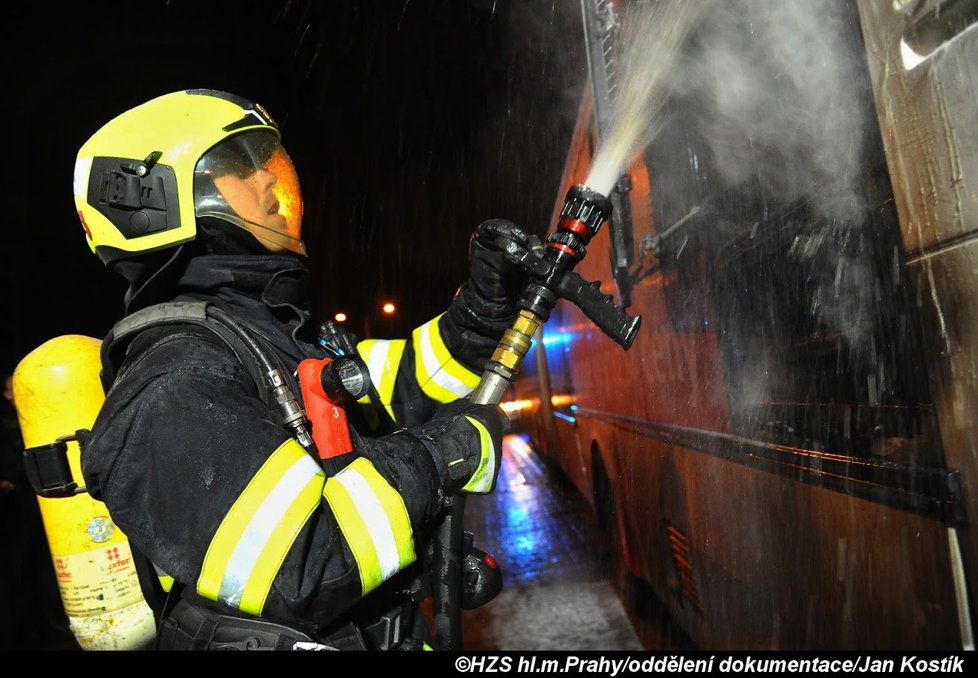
(653, 34)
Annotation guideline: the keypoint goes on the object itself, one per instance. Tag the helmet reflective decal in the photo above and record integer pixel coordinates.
(251, 117)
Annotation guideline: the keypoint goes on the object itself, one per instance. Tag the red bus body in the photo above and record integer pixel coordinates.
(784, 477)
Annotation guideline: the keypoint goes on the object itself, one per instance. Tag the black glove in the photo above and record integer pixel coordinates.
(465, 442)
(486, 304)
(496, 279)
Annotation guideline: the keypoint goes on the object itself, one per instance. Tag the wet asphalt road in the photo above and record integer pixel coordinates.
(557, 588)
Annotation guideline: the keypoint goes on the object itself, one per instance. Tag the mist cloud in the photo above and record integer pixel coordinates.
(779, 100)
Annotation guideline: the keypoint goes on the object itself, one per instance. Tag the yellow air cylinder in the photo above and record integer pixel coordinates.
(57, 392)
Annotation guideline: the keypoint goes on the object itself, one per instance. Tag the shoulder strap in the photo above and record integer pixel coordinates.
(137, 333)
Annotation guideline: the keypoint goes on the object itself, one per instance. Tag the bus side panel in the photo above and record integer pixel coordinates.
(751, 560)
(747, 555)
(666, 375)
(922, 66)
(783, 564)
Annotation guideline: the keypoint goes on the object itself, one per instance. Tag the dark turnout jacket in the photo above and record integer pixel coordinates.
(209, 485)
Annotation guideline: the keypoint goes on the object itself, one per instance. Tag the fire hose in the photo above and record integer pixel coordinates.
(550, 278)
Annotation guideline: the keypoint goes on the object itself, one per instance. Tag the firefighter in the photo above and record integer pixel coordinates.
(192, 199)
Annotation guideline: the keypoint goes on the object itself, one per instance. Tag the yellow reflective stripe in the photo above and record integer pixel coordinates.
(253, 539)
(166, 581)
(440, 376)
(280, 541)
(355, 532)
(383, 357)
(374, 521)
(481, 480)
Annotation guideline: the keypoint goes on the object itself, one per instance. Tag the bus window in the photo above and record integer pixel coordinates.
(812, 313)
(817, 347)
(678, 172)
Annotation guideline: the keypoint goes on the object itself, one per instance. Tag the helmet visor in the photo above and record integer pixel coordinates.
(249, 180)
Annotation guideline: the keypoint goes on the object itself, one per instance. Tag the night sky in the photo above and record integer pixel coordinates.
(409, 122)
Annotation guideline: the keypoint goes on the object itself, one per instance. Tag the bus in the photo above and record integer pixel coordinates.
(787, 456)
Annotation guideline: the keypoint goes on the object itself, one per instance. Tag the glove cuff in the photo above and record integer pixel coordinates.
(473, 326)
(438, 462)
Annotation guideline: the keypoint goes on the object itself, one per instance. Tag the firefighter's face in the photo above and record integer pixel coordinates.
(249, 180)
(254, 200)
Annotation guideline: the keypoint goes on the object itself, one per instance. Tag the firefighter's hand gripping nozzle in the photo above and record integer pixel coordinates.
(551, 278)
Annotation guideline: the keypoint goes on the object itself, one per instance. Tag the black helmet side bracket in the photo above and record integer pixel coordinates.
(138, 197)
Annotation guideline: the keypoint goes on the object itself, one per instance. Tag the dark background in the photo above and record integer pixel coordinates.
(409, 122)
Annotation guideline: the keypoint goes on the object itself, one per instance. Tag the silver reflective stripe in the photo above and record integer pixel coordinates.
(375, 517)
(377, 361)
(433, 363)
(255, 537)
(481, 481)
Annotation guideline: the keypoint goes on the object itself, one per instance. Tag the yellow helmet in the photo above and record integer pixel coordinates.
(141, 180)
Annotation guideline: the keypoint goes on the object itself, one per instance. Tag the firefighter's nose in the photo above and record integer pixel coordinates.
(267, 179)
